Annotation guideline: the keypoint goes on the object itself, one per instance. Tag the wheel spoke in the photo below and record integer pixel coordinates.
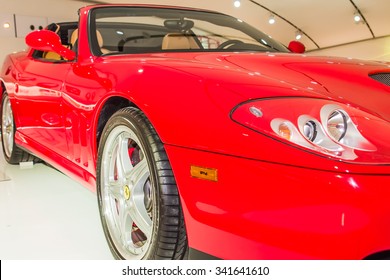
(125, 224)
(139, 175)
(118, 220)
(123, 162)
(140, 216)
(115, 190)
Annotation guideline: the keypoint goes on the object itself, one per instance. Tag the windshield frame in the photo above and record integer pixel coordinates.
(263, 42)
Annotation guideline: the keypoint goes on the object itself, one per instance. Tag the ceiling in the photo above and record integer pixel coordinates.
(324, 23)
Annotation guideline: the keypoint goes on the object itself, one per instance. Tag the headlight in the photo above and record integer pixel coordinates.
(321, 126)
(310, 129)
(336, 124)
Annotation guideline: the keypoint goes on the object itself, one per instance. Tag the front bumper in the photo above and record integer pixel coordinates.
(262, 210)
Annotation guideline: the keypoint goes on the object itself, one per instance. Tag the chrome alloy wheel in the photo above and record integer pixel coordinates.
(7, 127)
(126, 193)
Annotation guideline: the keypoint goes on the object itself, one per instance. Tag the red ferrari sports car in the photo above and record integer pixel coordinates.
(205, 138)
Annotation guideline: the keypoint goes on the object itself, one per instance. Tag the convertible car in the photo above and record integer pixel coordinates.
(204, 137)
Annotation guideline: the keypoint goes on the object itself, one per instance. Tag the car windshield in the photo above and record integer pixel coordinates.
(141, 30)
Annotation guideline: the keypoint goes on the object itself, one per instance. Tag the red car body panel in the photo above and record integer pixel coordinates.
(272, 200)
(284, 212)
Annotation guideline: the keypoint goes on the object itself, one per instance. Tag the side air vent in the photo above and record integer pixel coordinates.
(383, 78)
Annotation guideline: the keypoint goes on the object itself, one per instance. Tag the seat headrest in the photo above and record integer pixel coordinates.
(99, 38)
(75, 36)
(178, 41)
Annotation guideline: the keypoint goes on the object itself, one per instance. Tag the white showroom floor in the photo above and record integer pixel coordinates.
(45, 215)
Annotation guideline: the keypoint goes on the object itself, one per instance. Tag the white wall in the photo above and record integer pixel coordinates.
(375, 49)
(58, 10)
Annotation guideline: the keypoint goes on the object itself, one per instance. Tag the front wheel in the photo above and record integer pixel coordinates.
(137, 194)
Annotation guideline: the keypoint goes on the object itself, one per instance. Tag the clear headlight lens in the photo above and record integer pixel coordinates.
(323, 126)
(310, 130)
(337, 124)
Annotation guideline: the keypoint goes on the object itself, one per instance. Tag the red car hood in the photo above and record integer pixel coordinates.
(341, 79)
(345, 80)
(261, 75)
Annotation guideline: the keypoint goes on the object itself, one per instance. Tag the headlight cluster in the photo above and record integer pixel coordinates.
(322, 126)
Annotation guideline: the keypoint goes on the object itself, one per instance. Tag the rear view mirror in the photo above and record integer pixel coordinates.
(296, 47)
(181, 25)
(45, 40)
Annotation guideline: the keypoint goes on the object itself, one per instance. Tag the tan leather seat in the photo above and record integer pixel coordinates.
(75, 35)
(179, 41)
(100, 42)
(73, 38)
(52, 56)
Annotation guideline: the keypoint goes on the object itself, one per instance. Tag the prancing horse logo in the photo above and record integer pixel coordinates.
(126, 192)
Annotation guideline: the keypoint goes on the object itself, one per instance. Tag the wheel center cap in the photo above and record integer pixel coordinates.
(126, 192)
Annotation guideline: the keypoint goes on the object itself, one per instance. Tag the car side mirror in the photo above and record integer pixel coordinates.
(45, 40)
(296, 47)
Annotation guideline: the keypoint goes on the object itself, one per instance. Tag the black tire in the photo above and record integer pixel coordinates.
(129, 144)
(12, 153)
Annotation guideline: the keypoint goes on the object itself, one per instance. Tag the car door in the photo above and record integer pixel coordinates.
(84, 86)
(38, 101)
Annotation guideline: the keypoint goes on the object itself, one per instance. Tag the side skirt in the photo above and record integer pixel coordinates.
(198, 255)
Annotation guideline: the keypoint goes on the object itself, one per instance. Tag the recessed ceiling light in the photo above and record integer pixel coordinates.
(298, 35)
(357, 17)
(6, 25)
(271, 19)
(237, 3)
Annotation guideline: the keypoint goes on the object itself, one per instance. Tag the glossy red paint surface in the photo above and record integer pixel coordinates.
(284, 212)
(272, 200)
